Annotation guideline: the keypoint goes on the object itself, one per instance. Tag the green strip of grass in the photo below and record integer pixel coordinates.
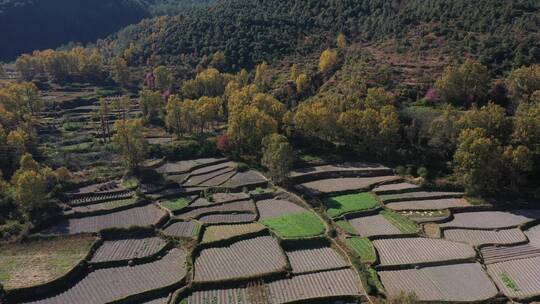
(345, 225)
(176, 205)
(404, 224)
(339, 205)
(507, 280)
(364, 248)
(298, 225)
(374, 279)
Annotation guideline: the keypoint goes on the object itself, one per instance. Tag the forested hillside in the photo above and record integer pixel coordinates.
(500, 34)
(38, 24)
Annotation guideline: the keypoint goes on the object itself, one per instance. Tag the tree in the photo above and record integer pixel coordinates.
(218, 60)
(91, 65)
(517, 160)
(491, 118)
(2, 71)
(464, 84)
(443, 132)
(377, 98)
(209, 82)
(248, 127)
(478, 161)
(295, 72)
(317, 119)
(56, 64)
(341, 41)
(328, 61)
(103, 114)
(263, 79)
(269, 105)
(151, 105)
(278, 156)
(523, 82)
(164, 78)
(403, 298)
(130, 142)
(173, 119)
(527, 124)
(122, 105)
(26, 66)
(120, 71)
(302, 83)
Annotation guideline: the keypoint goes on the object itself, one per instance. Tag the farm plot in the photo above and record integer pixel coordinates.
(342, 204)
(239, 295)
(277, 207)
(198, 180)
(395, 188)
(175, 205)
(534, 235)
(259, 256)
(246, 206)
(219, 198)
(297, 225)
(517, 279)
(112, 186)
(409, 251)
(373, 225)
(364, 248)
(492, 219)
(225, 232)
(249, 178)
(219, 180)
(139, 216)
(109, 284)
(336, 185)
(428, 204)
(334, 283)
(101, 197)
(228, 218)
(105, 206)
(37, 262)
(188, 165)
(182, 229)
(128, 249)
(450, 283)
(312, 259)
(350, 167)
(213, 168)
(418, 195)
(485, 237)
(497, 254)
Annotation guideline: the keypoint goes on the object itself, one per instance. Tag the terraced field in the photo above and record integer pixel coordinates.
(128, 249)
(395, 188)
(356, 168)
(364, 248)
(451, 283)
(238, 295)
(219, 198)
(249, 178)
(428, 204)
(297, 225)
(373, 225)
(138, 216)
(260, 255)
(240, 206)
(410, 251)
(342, 204)
(517, 279)
(188, 165)
(105, 206)
(101, 197)
(497, 254)
(418, 195)
(106, 285)
(225, 232)
(275, 207)
(336, 185)
(534, 235)
(492, 219)
(182, 229)
(315, 259)
(485, 237)
(228, 218)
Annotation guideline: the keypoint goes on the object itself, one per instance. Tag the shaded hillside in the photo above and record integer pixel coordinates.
(38, 24)
(501, 34)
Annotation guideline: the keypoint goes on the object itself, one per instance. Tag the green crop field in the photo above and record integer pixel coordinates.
(345, 225)
(404, 224)
(37, 262)
(298, 225)
(339, 205)
(176, 205)
(364, 248)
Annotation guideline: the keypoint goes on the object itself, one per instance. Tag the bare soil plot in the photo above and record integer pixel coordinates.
(109, 205)
(245, 258)
(219, 198)
(187, 165)
(485, 237)
(492, 219)
(101, 197)
(228, 218)
(534, 235)
(182, 229)
(245, 179)
(240, 206)
(428, 204)
(40, 261)
(277, 207)
(138, 216)
(109, 284)
(407, 251)
(225, 232)
(219, 180)
(335, 185)
(418, 195)
(373, 225)
(111, 186)
(312, 259)
(395, 188)
(333, 283)
(426, 216)
(452, 283)
(128, 249)
(239, 295)
(316, 171)
(213, 168)
(497, 254)
(198, 180)
(517, 278)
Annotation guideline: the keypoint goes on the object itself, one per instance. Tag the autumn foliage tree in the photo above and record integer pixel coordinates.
(130, 142)
(328, 61)
(277, 156)
(464, 84)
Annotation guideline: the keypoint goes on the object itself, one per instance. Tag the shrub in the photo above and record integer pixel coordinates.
(400, 170)
(422, 172)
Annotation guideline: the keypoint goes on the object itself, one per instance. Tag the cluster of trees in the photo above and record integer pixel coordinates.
(60, 66)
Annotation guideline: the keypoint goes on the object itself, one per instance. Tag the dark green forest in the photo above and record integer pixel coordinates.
(38, 24)
(501, 34)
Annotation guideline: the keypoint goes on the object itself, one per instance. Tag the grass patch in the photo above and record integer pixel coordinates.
(312, 159)
(176, 205)
(72, 126)
(77, 148)
(373, 279)
(37, 262)
(339, 205)
(404, 224)
(507, 280)
(345, 225)
(296, 225)
(364, 248)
